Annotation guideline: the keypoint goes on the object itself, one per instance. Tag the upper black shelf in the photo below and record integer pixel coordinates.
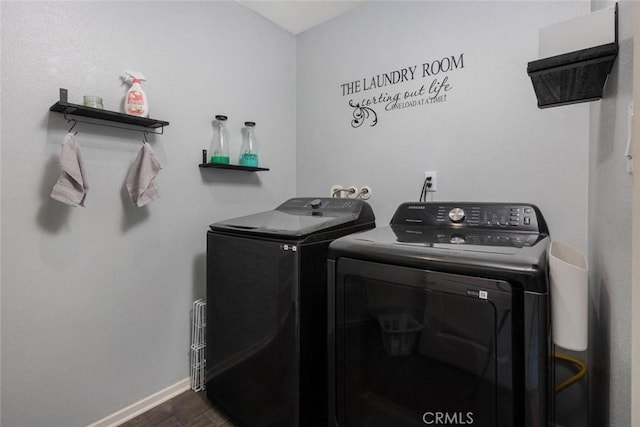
(64, 107)
(573, 77)
(233, 167)
(97, 113)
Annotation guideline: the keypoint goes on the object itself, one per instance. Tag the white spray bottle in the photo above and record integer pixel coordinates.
(135, 103)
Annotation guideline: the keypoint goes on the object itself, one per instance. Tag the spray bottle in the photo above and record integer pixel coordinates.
(136, 101)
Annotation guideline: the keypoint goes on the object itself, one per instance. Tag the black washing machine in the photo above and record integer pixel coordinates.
(442, 318)
(266, 356)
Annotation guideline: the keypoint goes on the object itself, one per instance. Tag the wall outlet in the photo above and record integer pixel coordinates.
(431, 178)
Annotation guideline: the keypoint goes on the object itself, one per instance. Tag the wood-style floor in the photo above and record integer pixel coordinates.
(189, 409)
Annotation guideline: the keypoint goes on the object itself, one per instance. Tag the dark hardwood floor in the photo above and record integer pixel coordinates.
(189, 409)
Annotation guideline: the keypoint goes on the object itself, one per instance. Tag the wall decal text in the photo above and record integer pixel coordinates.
(433, 91)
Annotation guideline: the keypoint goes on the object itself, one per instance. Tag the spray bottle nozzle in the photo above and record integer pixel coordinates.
(134, 76)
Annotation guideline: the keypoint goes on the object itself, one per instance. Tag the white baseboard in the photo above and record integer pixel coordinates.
(143, 405)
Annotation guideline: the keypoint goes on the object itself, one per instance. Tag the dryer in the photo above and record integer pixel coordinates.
(442, 318)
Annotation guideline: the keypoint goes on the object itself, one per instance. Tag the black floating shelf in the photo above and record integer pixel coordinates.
(572, 77)
(97, 113)
(232, 167)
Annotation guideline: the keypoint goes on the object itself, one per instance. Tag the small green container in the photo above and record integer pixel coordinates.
(221, 160)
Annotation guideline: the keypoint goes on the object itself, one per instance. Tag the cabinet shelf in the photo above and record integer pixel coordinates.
(232, 167)
(67, 108)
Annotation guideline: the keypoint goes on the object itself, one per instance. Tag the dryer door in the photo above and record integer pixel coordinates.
(416, 347)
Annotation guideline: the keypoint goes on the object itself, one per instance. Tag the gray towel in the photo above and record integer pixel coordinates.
(140, 181)
(72, 185)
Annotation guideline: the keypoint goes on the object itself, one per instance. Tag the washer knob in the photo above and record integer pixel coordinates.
(457, 215)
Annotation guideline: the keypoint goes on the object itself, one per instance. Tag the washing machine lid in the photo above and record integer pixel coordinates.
(302, 216)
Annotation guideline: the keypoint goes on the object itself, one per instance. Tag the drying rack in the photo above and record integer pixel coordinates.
(198, 345)
(135, 123)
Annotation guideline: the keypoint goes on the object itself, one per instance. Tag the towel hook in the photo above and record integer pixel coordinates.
(145, 137)
(72, 126)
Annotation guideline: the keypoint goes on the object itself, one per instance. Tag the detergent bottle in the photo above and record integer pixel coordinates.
(135, 103)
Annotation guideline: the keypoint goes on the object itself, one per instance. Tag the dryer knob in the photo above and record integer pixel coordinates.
(457, 215)
(316, 203)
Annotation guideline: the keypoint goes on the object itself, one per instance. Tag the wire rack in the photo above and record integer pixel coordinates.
(198, 344)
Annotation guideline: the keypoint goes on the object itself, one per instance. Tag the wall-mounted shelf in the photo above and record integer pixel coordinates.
(232, 167)
(572, 77)
(67, 108)
(578, 56)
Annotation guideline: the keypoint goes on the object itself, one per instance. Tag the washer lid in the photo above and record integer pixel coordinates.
(301, 217)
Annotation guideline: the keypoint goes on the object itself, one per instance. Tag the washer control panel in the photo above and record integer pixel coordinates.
(506, 216)
(320, 204)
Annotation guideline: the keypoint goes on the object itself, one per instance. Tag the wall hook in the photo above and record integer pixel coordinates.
(72, 126)
(145, 137)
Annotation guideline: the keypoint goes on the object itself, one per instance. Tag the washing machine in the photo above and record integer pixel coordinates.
(442, 318)
(266, 355)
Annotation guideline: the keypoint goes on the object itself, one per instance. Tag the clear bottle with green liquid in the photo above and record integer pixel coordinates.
(249, 147)
(219, 152)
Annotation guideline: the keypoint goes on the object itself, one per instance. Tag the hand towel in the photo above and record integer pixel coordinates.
(72, 185)
(140, 181)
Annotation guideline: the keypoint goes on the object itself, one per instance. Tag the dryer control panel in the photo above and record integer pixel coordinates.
(521, 217)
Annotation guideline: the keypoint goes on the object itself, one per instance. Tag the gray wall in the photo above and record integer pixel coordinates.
(487, 141)
(610, 238)
(96, 300)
